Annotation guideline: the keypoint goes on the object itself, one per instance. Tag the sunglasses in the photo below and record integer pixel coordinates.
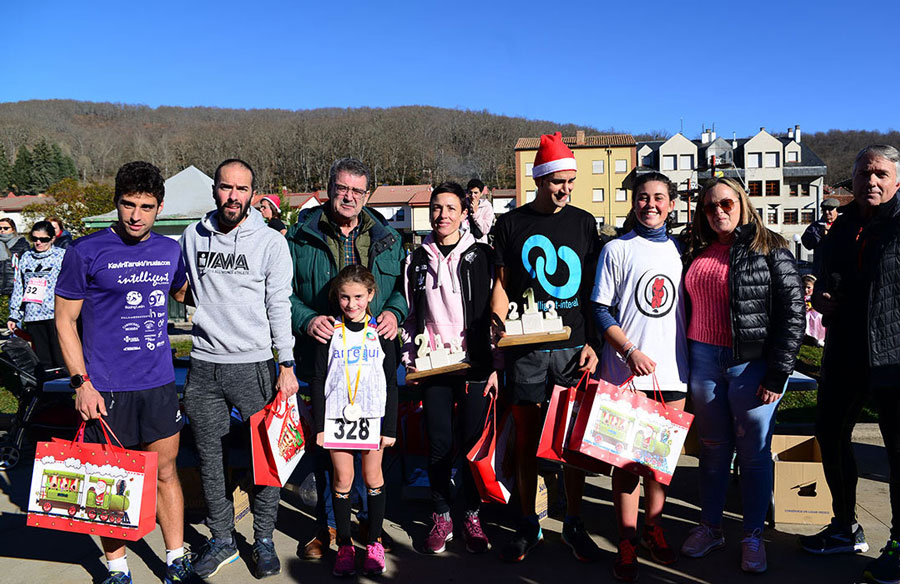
(725, 204)
(42, 239)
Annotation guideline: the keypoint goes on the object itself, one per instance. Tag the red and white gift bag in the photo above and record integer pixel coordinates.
(492, 457)
(278, 441)
(626, 429)
(98, 489)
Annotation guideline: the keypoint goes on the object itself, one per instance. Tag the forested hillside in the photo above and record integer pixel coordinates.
(403, 145)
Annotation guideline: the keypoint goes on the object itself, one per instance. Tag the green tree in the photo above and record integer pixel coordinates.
(65, 166)
(21, 176)
(43, 167)
(73, 202)
(5, 171)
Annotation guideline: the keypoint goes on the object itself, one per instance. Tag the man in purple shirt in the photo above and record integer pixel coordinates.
(118, 280)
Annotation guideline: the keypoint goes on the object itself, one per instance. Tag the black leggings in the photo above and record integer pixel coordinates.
(46, 343)
(438, 397)
(840, 401)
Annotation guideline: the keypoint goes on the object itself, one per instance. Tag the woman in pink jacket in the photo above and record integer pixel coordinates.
(448, 288)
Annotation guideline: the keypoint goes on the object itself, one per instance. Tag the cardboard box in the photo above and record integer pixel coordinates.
(801, 493)
(542, 500)
(194, 501)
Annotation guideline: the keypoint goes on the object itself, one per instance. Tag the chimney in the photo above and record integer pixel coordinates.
(579, 137)
(797, 133)
(733, 140)
(712, 135)
(704, 137)
(790, 132)
(762, 128)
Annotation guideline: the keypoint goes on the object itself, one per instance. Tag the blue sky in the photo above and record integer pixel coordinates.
(634, 66)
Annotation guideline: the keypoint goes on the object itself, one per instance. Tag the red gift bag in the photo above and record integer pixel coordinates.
(565, 403)
(277, 441)
(491, 459)
(98, 489)
(619, 425)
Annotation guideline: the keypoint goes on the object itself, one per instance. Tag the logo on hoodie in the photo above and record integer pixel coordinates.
(216, 260)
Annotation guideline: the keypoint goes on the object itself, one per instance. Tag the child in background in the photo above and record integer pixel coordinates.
(814, 328)
(355, 380)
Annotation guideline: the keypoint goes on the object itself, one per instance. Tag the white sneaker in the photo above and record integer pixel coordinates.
(753, 552)
(701, 540)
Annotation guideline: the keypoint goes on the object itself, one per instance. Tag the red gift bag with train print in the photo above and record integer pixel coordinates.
(626, 429)
(98, 489)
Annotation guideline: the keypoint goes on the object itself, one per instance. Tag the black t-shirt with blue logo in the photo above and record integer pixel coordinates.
(555, 255)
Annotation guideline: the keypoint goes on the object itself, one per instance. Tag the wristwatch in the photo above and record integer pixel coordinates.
(286, 364)
(77, 381)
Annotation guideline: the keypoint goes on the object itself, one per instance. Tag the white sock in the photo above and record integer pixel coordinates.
(172, 555)
(118, 565)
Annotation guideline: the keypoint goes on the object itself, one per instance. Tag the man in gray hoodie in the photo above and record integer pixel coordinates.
(240, 276)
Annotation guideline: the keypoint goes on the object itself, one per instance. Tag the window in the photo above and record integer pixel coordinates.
(754, 160)
(668, 162)
(686, 162)
(754, 188)
(598, 166)
(529, 196)
(790, 216)
(773, 216)
(597, 195)
(794, 190)
(621, 195)
(772, 188)
(620, 221)
(804, 190)
(647, 160)
(807, 216)
(621, 166)
(528, 167)
(399, 215)
(772, 159)
(793, 156)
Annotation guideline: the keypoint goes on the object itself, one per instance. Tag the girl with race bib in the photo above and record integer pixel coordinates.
(639, 309)
(354, 397)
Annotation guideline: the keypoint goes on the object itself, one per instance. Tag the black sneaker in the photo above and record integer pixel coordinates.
(836, 539)
(523, 541)
(213, 557)
(118, 578)
(579, 541)
(180, 570)
(885, 569)
(265, 559)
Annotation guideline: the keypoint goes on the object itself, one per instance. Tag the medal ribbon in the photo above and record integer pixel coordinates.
(351, 398)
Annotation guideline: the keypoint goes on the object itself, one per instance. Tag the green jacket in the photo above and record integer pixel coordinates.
(315, 265)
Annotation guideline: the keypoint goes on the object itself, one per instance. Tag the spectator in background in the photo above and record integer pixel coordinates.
(857, 295)
(32, 302)
(814, 328)
(63, 237)
(12, 246)
(813, 235)
(481, 211)
(270, 207)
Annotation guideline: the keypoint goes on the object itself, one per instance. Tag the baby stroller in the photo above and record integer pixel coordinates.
(24, 377)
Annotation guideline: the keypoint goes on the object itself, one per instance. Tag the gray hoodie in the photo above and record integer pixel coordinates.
(241, 283)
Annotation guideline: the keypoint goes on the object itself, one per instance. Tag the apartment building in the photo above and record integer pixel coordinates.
(604, 162)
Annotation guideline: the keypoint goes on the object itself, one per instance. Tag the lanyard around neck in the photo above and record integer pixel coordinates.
(350, 397)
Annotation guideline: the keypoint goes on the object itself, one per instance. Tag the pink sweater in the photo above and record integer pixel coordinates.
(707, 284)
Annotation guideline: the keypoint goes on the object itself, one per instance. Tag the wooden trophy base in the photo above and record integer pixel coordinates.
(532, 338)
(438, 370)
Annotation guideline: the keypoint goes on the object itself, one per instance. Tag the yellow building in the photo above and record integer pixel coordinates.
(603, 163)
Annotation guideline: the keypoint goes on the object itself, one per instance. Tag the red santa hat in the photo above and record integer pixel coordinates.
(552, 156)
(275, 200)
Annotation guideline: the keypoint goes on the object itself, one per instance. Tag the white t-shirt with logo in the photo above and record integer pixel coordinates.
(640, 280)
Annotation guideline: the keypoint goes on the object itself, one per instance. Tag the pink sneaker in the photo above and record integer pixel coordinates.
(440, 534)
(345, 564)
(476, 541)
(374, 563)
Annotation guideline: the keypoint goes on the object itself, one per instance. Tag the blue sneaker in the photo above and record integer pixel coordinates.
(181, 570)
(213, 557)
(118, 578)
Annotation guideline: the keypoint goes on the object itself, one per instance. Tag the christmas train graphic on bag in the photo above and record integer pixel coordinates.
(84, 497)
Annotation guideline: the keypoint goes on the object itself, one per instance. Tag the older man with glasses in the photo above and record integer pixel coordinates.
(325, 239)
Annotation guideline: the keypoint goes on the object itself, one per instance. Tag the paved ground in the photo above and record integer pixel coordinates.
(35, 555)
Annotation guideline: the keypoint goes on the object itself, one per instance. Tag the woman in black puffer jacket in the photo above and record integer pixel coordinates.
(746, 326)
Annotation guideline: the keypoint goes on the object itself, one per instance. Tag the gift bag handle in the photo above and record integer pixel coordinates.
(657, 391)
(273, 407)
(583, 377)
(107, 431)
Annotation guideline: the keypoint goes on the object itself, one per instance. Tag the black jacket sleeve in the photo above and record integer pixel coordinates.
(787, 320)
(813, 235)
(317, 385)
(389, 422)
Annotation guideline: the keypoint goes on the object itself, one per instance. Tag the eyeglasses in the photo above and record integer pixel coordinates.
(344, 189)
(5, 228)
(41, 239)
(725, 204)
